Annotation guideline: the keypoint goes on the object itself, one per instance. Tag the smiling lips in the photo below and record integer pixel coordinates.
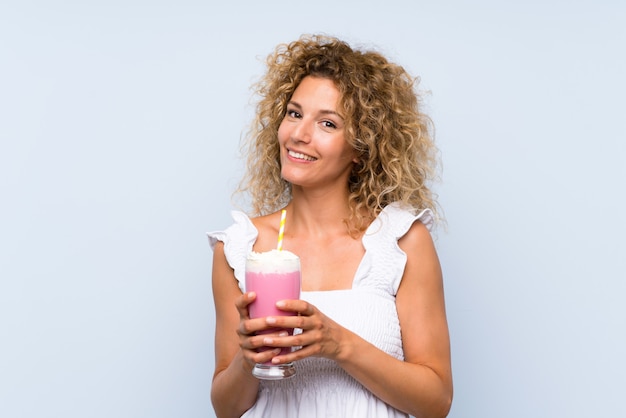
(301, 156)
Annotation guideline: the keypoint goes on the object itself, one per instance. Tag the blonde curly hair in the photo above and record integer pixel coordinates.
(383, 123)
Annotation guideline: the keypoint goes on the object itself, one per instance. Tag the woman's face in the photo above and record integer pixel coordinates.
(313, 149)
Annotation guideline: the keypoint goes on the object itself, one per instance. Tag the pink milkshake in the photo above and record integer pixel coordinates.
(274, 276)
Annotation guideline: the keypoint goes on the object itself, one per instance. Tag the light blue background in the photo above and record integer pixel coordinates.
(119, 129)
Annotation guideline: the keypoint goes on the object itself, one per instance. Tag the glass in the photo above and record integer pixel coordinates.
(273, 276)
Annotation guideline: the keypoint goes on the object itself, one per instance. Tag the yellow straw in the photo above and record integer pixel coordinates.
(281, 230)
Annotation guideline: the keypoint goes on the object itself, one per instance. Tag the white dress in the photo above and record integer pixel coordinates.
(320, 388)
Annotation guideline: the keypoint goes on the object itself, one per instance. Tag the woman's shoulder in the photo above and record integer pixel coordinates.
(267, 227)
(386, 256)
(241, 227)
(238, 239)
(264, 221)
(397, 219)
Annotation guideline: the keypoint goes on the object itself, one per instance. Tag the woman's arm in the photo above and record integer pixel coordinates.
(421, 385)
(234, 389)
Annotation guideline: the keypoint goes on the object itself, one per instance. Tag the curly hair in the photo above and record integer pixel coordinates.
(383, 123)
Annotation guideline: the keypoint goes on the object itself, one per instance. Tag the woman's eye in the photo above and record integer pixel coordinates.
(293, 114)
(329, 124)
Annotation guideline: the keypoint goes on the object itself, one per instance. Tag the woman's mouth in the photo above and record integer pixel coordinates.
(300, 156)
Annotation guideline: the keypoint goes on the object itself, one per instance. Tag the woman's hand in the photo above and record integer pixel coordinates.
(320, 337)
(252, 345)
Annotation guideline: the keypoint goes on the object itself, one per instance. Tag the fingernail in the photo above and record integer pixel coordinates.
(268, 340)
(283, 334)
(270, 320)
(281, 304)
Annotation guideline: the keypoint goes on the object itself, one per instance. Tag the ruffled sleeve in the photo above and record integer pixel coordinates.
(238, 240)
(383, 263)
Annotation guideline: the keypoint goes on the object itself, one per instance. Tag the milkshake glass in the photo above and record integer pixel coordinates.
(273, 275)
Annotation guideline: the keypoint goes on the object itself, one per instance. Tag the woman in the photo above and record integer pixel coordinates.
(340, 143)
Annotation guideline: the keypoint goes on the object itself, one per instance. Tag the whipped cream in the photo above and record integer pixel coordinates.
(274, 261)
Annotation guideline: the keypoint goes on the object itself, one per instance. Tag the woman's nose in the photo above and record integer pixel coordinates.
(302, 131)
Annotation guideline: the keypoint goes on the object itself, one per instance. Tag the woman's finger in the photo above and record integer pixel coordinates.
(296, 305)
(242, 303)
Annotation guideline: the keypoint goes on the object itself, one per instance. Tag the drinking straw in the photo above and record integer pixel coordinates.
(281, 230)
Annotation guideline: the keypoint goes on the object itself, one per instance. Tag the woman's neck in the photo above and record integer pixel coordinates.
(315, 214)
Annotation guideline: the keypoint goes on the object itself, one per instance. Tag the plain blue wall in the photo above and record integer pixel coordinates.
(119, 129)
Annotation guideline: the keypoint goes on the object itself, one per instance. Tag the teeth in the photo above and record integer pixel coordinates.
(301, 156)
